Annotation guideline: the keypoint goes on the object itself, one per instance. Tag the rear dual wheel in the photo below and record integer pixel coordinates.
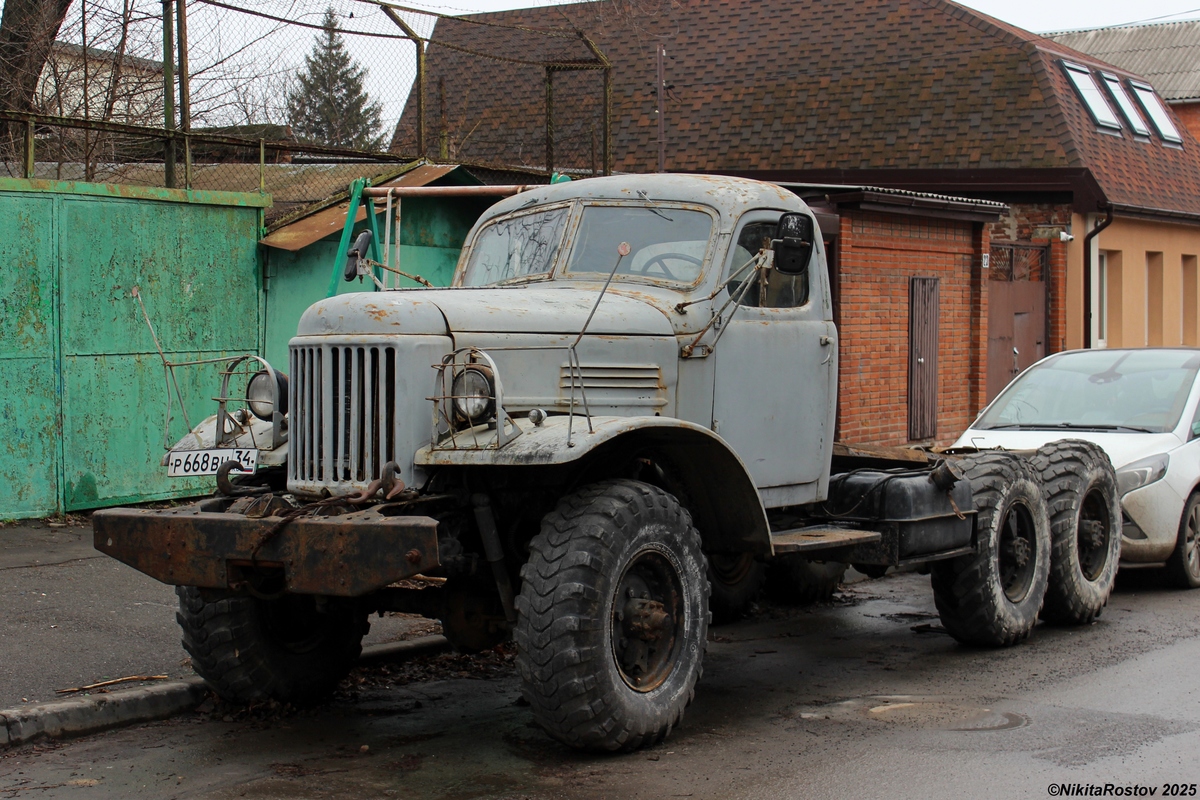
(1080, 488)
(991, 597)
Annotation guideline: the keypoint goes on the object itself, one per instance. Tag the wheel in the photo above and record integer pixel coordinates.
(612, 617)
(1080, 488)
(735, 579)
(1184, 564)
(293, 649)
(795, 580)
(992, 597)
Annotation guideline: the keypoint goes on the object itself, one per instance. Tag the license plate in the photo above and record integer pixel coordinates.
(189, 463)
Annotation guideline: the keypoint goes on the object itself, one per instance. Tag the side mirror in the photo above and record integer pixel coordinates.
(1195, 428)
(793, 243)
(356, 253)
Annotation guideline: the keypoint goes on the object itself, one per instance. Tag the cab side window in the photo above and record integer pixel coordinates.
(778, 291)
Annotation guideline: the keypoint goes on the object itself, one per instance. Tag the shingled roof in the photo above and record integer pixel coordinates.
(921, 94)
(1167, 54)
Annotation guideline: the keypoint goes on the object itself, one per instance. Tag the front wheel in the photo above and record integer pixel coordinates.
(294, 649)
(991, 597)
(612, 617)
(1184, 564)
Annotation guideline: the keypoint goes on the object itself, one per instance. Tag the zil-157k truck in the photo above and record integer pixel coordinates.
(617, 418)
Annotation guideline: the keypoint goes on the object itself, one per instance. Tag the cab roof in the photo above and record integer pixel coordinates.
(728, 196)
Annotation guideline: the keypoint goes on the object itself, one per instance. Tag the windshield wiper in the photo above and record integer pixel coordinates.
(1071, 426)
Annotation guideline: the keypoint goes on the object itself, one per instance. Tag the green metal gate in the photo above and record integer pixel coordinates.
(81, 382)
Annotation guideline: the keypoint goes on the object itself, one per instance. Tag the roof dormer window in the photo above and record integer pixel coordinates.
(1091, 95)
(1124, 103)
(1156, 112)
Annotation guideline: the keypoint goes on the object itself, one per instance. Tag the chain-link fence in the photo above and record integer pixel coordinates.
(295, 97)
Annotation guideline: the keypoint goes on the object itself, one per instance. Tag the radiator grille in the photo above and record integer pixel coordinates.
(343, 419)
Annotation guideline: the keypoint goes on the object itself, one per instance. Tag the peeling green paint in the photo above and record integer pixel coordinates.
(82, 396)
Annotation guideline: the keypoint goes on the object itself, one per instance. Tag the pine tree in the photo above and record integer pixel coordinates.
(329, 105)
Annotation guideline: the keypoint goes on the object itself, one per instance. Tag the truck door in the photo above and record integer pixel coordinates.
(776, 371)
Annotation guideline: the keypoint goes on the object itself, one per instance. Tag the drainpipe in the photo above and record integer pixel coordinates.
(1087, 275)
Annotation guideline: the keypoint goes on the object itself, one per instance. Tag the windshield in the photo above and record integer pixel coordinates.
(1136, 390)
(516, 247)
(666, 244)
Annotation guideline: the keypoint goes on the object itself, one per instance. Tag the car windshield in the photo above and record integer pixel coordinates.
(518, 247)
(666, 244)
(1121, 390)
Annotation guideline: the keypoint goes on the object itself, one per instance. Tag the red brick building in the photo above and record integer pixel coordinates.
(885, 246)
(1100, 243)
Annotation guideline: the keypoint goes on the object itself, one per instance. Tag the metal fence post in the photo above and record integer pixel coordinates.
(168, 23)
(549, 120)
(185, 96)
(30, 162)
(420, 45)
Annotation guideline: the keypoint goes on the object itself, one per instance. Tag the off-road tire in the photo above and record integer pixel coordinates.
(1183, 567)
(567, 645)
(969, 590)
(236, 646)
(735, 580)
(795, 580)
(1080, 487)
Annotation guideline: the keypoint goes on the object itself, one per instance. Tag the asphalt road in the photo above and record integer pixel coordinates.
(837, 701)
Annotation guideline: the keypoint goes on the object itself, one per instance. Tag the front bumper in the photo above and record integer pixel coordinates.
(348, 555)
(1156, 510)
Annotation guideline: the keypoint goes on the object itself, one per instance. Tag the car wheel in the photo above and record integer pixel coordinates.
(1184, 564)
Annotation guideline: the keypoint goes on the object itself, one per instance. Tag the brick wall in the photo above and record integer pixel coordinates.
(879, 253)
(1189, 115)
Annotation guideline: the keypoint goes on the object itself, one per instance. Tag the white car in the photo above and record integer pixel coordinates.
(1143, 408)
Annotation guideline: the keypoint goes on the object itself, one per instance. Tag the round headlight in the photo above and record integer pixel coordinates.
(472, 394)
(260, 395)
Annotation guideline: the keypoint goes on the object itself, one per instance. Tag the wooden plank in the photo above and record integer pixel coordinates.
(847, 450)
(820, 537)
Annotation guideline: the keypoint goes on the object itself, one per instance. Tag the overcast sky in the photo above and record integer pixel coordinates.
(1034, 15)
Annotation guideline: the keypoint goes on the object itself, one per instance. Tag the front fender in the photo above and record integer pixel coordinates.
(721, 495)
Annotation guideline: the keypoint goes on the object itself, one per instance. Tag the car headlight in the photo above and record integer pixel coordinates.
(1141, 473)
(472, 390)
(260, 395)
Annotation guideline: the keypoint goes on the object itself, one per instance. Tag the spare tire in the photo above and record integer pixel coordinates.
(1080, 487)
(991, 597)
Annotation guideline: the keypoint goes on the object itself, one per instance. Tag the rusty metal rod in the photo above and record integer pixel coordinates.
(445, 191)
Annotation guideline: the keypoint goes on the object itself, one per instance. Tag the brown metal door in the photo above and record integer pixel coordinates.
(922, 357)
(1016, 329)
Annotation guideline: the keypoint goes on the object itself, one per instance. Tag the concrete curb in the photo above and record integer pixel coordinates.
(95, 713)
(100, 712)
(400, 651)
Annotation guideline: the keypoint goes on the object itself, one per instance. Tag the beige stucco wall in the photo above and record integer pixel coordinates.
(1133, 288)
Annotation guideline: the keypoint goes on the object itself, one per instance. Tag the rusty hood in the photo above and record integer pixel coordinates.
(551, 310)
